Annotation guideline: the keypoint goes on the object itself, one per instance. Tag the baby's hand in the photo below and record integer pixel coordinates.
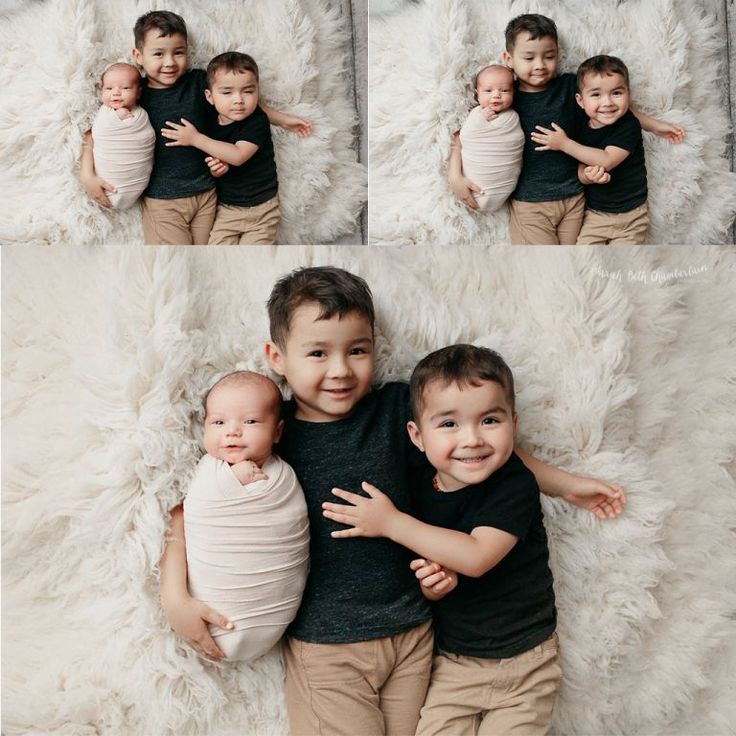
(248, 472)
(436, 581)
(217, 168)
(596, 175)
(488, 113)
(180, 135)
(124, 112)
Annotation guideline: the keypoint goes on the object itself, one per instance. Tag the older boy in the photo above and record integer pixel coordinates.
(247, 195)
(478, 513)
(616, 212)
(180, 202)
(548, 204)
(359, 652)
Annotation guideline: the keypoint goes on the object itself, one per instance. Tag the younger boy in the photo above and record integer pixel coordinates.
(358, 654)
(616, 211)
(247, 195)
(492, 141)
(478, 512)
(548, 203)
(124, 138)
(245, 519)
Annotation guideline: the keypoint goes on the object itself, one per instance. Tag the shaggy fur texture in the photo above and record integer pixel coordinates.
(624, 362)
(423, 58)
(53, 53)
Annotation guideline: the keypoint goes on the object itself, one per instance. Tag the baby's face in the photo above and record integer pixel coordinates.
(121, 87)
(604, 97)
(495, 89)
(241, 423)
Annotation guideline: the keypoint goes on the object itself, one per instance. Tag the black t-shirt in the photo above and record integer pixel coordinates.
(511, 608)
(628, 186)
(254, 181)
(358, 588)
(547, 176)
(178, 171)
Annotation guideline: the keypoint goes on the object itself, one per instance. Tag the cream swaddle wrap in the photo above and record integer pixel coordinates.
(123, 153)
(491, 154)
(247, 552)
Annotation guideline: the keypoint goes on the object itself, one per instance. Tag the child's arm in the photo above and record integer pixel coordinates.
(95, 186)
(301, 126)
(469, 554)
(186, 134)
(188, 616)
(605, 500)
(593, 175)
(556, 140)
(435, 581)
(673, 133)
(461, 186)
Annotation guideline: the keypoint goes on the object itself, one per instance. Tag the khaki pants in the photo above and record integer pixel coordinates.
(546, 223)
(256, 225)
(181, 221)
(366, 688)
(471, 696)
(618, 228)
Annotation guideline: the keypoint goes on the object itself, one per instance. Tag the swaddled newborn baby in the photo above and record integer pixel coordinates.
(122, 135)
(492, 141)
(245, 519)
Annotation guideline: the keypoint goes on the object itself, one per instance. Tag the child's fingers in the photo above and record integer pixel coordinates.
(417, 564)
(355, 532)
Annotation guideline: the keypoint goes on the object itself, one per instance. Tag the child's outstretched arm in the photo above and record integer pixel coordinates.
(435, 581)
(557, 140)
(673, 133)
(605, 500)
(301, 126)
(469, 554)
(185, 134)
(461, 186)
(188, 616)
(95, 186)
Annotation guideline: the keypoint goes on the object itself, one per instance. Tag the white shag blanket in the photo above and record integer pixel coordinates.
(423, 58)
(49, 78)
(625, 362)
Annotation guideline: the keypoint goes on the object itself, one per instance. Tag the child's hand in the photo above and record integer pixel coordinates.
(596, 175)
(217, 167)
(368, 517)
(189, 618)
(489, 114)
(248, 472)
(301, 126)
(124, 112)
(97, 188)
(436, 581)
(605, 500)
(550, 140)
(180, 135)
(673, 133)
(463, 189)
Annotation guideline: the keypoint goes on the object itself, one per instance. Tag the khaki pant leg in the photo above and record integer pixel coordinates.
(262, 225)
(166, 221)
(203, 216)
(226, 227)
(329, 690)
(403, 692)
(635, 230)
(569, 225)
(595, 229)
(530, 223)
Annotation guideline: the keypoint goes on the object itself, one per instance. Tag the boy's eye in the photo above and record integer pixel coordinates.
(490, 420)
(447, 423)
(317, 354)
(250, 421)
(357, 351)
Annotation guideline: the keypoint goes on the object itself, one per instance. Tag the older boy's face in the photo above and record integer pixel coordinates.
(467, 432)
(605, 98)
(234, 95)
(121, 87)
(163, 58)
(495, 89)
(241, 423)
(534, 61)
(327, 362)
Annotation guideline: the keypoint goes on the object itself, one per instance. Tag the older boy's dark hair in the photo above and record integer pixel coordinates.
(231, 61)
(165, 21)
(336, 291)
(602, 64)
(537, 26)
(464, 365)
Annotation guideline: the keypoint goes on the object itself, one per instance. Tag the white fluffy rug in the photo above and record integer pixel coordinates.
(625, 365)
(423, 57)
(53, 52)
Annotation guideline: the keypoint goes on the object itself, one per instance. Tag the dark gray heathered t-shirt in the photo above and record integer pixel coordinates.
(358, 588)
(178, 171)
(547, 176)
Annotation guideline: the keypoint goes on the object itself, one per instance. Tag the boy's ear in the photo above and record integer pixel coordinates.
(275, 358)
(516, 422)
(415, 434)
(208, 96)
(137, 56)
(579, 99)
(506, 57)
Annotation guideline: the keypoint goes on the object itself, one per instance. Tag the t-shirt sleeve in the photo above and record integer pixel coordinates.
(511, 502)
(254, 129)
(627, 134)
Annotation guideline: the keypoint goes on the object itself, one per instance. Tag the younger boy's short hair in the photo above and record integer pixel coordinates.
(464, 365)
(165, 21)
(231, 61)
(336, 291)
(537, 26)
(602, 64)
